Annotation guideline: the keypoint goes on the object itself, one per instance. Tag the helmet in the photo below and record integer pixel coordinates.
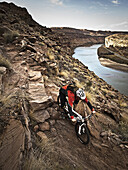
(80, 93)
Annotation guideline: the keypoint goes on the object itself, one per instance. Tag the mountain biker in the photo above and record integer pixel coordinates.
(72, 94)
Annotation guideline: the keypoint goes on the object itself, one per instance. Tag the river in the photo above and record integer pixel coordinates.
(88, 56)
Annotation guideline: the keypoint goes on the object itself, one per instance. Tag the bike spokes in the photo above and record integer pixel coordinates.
(82, 133)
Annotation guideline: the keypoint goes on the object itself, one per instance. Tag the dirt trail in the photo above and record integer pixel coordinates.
(98, 154)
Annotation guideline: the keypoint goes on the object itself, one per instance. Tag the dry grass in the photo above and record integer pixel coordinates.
(89, 96)
(50, 55)
(122, 103)
(10, 36)
(44, 157)
(38, 159)
(64, 74)
(123, 128)
(78, 83)
(105, 91)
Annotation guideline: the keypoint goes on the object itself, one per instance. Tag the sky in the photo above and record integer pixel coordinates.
(82, 14)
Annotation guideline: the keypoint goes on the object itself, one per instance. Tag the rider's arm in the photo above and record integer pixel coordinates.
(89, 104)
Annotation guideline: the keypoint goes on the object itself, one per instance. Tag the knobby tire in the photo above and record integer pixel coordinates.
(84, 136)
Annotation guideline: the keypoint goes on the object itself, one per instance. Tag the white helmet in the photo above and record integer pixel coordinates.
(80, 93)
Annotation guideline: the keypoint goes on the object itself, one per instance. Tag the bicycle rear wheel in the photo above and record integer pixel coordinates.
(82, 133)
(64, 113)
(58, 100)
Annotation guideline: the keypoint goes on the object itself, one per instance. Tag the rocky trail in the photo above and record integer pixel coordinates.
(34, 64)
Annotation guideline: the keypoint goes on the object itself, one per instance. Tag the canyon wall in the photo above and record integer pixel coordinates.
(34, 63)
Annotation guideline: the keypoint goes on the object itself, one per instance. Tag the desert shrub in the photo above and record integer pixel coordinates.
(39, 159)
(89, 96)
(122, 103)
(63, 73)
(10, 36)
(51, 57)
(79, 84)
(50, 54)
(4, 62)
(88, 85)
(123, 129)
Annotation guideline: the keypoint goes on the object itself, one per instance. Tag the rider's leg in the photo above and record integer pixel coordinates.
(71, 113)
(62, 99)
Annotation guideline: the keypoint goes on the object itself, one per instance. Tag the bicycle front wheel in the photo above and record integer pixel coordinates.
(82, 133)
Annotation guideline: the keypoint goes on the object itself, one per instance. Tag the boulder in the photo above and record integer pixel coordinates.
(41, 116)
(42, 136)
(36, 128)
(39, 100)
(54, 132)
(34, 75)
(40, 104)
(3, 70)
(44, 126)
(53, 113)
(52, 122)
(52, 90)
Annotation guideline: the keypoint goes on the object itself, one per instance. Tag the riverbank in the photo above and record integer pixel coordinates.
(118, 79)
(109, 58)
(114, 65)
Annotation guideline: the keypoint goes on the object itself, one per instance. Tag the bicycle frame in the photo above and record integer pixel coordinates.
(81, 128)
(80, 117)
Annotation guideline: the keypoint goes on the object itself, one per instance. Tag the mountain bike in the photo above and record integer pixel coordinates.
(81, 128)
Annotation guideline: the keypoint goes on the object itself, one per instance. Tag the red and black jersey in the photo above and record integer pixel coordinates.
(72, 98)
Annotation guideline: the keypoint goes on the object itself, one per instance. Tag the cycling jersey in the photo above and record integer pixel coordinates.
(71, 98)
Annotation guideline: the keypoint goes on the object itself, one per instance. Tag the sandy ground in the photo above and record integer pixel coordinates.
(114, 65)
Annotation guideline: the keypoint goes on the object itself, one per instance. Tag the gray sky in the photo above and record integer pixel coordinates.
(84, 14)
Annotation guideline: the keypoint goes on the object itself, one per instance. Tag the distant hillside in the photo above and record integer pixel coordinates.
(81, 37)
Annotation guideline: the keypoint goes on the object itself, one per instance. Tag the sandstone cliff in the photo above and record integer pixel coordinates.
(114, 53)
(34, 64)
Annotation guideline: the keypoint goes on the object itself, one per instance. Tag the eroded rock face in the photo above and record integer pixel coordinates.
(12, 146)
(2, 72)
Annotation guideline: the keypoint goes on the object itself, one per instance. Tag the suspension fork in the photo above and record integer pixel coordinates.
(80, 127)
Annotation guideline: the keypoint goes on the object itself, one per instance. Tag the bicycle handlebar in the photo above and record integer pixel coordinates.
(80, 117)
(85, 118)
